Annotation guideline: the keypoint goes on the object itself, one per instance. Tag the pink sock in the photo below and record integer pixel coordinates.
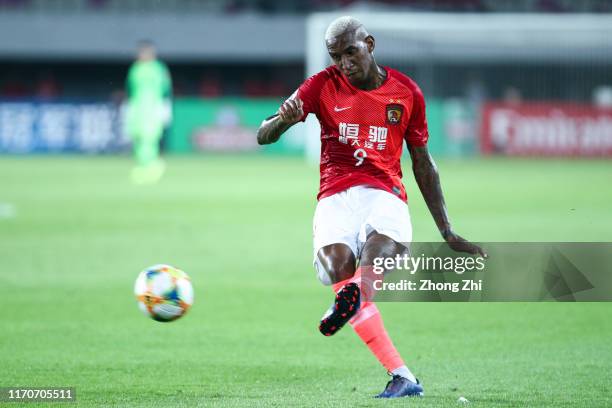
(363, 278)
(369, 326)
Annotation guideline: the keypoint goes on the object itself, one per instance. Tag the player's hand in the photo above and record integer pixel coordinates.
(460, 244)
(291, 111)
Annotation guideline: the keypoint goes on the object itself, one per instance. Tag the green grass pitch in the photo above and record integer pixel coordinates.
(79, 233)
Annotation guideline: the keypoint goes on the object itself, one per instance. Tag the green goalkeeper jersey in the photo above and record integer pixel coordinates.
(149, 87)
(148, 81)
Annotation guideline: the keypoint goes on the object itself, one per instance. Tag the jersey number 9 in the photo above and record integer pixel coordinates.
(360, 155)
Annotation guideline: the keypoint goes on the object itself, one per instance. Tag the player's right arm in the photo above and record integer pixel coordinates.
(288, 114)
(129, 82)
(295, 109)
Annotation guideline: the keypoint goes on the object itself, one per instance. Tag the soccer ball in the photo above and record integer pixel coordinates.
(164, 293)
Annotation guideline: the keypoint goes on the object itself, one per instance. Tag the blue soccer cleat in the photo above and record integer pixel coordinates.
(401, 387)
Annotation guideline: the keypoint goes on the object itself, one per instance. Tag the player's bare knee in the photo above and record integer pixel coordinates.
(378, 245)
(338, 262)
(342, 270)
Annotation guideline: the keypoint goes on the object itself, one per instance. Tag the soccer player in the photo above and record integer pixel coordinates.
(149, 89)
(366, 112)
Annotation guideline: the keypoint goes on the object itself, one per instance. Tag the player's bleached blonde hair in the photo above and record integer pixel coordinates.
(342, 25)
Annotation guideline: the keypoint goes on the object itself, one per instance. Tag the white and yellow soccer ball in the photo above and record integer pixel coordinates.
(164, 292)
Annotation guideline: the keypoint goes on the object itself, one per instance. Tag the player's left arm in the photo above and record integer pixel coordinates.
(428, 180)
(166, 94)
(166, 81)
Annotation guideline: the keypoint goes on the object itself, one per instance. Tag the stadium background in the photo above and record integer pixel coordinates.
(74, 232)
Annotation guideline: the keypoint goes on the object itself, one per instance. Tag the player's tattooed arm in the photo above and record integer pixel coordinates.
(428, 179)
(426, 175)
(271, 129)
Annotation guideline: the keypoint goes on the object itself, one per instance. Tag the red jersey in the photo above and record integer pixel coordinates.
(362, 132)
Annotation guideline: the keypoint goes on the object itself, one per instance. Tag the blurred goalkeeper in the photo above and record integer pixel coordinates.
(366, 112)
(149, 90)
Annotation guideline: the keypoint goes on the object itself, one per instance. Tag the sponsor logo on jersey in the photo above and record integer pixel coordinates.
(394, 113)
